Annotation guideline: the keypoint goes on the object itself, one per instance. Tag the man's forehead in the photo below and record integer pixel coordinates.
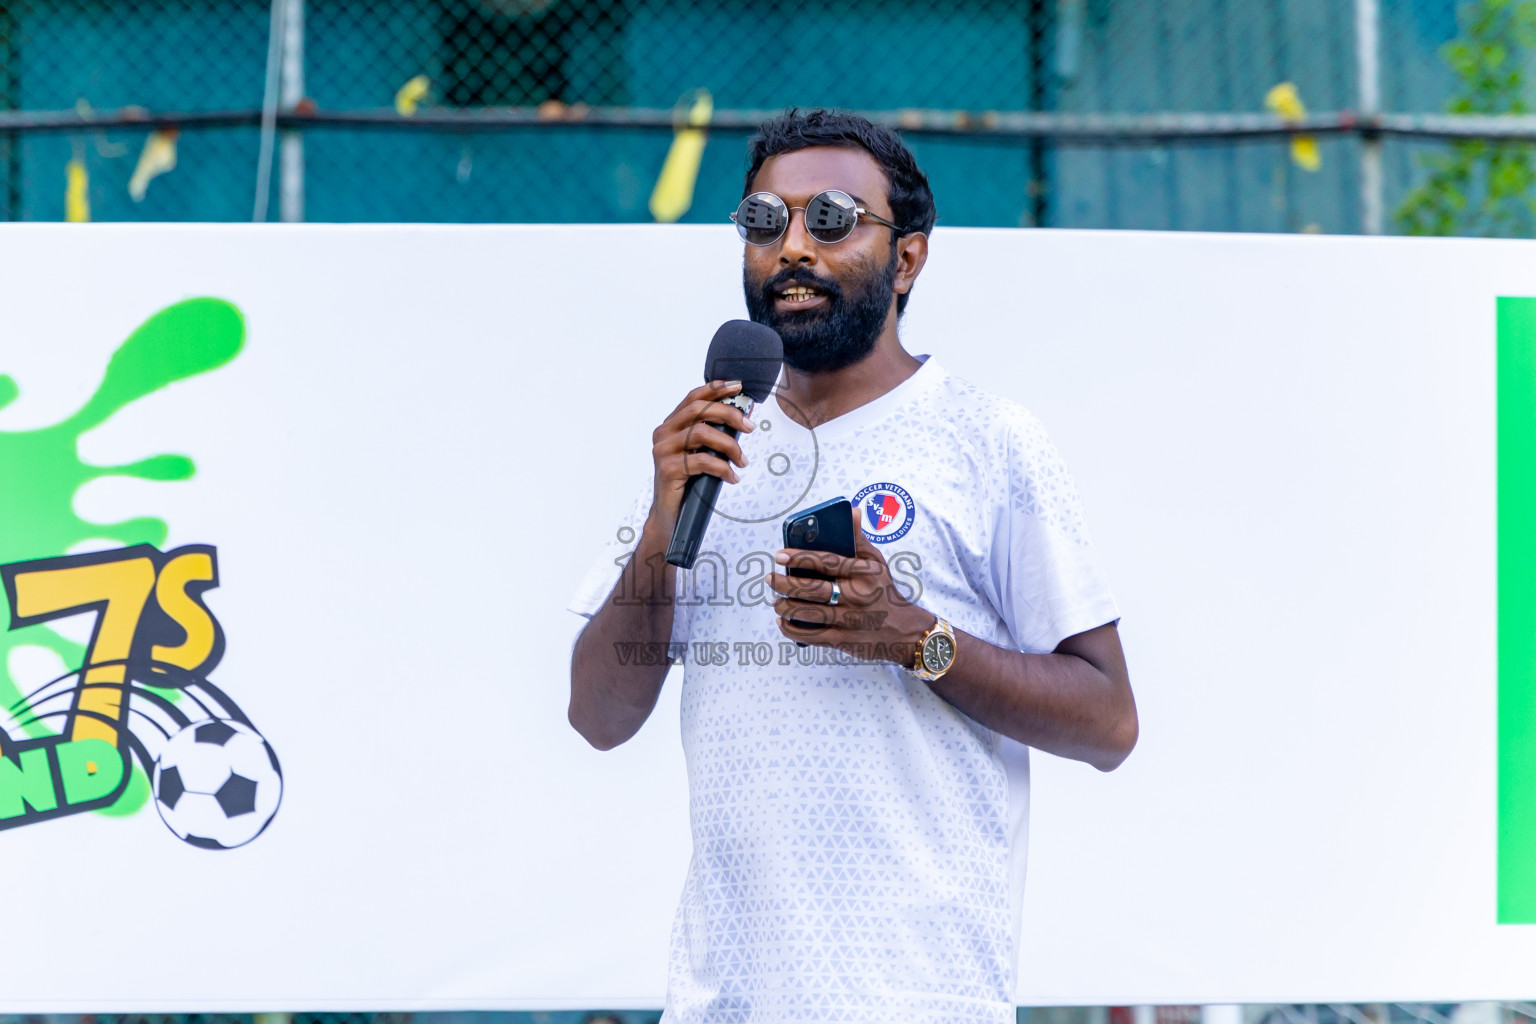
(796, 176)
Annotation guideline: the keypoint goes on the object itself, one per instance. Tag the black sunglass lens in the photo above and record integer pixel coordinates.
(759, 222)
(830, 217)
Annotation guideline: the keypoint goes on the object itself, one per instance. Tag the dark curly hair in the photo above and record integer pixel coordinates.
(907, 186)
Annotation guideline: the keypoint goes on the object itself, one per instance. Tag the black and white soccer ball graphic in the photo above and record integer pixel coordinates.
(217, 784)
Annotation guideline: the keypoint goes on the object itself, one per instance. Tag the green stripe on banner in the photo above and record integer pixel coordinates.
(1517, 609)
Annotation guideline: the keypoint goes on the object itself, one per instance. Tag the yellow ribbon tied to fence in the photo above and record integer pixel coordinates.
(77, 192)
(673, 194)
(409, 96)
(1284, 101)
(157, 157)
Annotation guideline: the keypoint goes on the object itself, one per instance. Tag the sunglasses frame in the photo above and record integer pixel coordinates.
(857, 210)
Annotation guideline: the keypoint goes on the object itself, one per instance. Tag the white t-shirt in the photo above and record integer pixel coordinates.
(858, 843)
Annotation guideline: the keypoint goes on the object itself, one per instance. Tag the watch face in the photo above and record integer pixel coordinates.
(938, 652)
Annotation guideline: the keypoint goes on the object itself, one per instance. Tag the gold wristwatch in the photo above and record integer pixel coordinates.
(935, 652)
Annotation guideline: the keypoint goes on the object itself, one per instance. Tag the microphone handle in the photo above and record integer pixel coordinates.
(693, 518)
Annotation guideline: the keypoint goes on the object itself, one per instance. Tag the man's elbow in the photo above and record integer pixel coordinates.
(590, 731)
(579, 712)
(1120, 741)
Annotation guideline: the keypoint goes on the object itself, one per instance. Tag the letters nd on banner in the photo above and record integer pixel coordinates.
(289, 518)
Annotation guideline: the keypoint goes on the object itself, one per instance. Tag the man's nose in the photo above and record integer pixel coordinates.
(797, 245)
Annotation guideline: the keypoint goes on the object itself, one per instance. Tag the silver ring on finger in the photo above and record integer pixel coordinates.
(837, 593)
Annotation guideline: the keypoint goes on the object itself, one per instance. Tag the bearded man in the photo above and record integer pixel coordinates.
(858, 804)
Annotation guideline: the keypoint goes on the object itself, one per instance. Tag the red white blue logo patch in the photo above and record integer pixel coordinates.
(886, 511)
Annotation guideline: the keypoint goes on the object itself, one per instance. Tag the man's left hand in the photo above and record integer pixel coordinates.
(871, 619)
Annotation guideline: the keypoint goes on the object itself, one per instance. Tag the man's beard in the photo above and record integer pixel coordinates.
(841, 332)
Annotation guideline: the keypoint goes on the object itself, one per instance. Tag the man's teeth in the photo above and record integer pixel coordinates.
(798, 294)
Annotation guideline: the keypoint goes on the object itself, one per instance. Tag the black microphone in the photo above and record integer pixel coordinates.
(740, 350)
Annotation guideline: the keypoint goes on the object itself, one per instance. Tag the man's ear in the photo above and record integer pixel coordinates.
(911, 254)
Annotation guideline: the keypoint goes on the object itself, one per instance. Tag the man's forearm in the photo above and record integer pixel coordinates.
(1076, 702)
(611, 697)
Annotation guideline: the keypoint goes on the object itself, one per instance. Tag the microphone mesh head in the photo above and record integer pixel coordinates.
(746, 351)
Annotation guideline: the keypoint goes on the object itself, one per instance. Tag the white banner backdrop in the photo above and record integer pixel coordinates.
(1285, 446)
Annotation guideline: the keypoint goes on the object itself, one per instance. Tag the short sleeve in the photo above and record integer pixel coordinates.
(1050, 582)
(608, 566)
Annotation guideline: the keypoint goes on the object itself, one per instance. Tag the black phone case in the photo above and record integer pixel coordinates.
(832, 531)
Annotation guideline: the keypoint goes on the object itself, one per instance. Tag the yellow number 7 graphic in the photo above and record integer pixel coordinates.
(151, 628)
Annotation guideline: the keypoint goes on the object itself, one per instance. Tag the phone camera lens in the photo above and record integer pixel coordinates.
(812, 531)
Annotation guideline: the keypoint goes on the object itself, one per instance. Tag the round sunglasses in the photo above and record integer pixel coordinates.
(830, 216)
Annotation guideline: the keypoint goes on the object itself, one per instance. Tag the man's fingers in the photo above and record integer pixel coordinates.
(805, 618)
(710, 392)
(804, 634)
(703, 435)
(807, 613)
(818, 561)
(845, 569)
(687, 464)
(688, 416)
(802, 588)
(724, 412)
(819, 625)
(705, 442)
(707, 400)
(860, 578)
(869, 570)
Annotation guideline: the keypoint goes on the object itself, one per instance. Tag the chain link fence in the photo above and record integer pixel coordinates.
(564, 110)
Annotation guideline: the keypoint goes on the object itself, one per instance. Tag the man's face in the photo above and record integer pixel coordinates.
(829, 302)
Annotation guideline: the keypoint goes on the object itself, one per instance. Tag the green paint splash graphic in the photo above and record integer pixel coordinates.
(41, 470)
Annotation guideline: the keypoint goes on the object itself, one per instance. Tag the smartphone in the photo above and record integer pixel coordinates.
(826, 527)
